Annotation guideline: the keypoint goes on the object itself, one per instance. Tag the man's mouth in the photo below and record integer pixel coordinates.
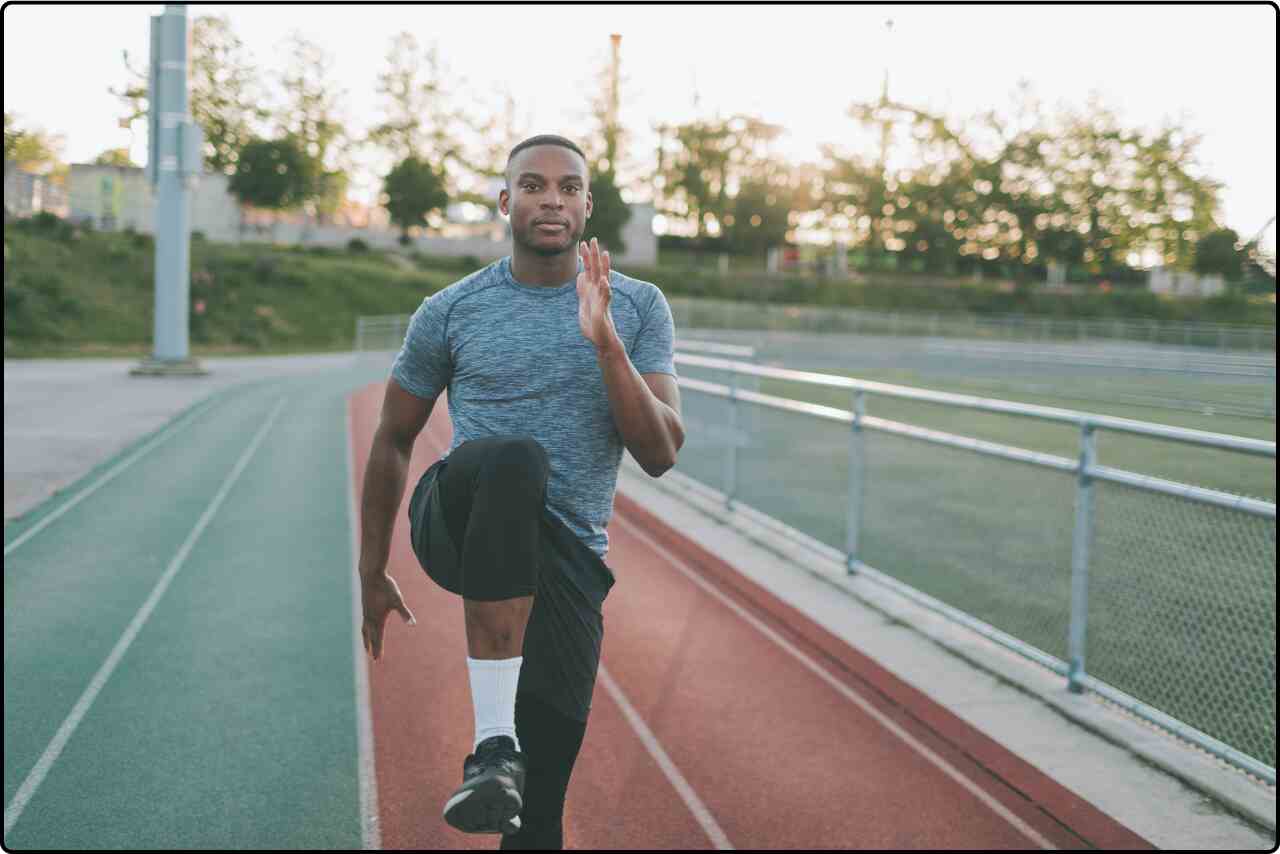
(551, 226)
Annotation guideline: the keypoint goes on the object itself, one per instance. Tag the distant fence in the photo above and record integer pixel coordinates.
(692, 313)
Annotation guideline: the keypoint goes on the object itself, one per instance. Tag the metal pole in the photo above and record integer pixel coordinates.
(175, 142)
(1080, 542)
(857, 481)
(731, 443)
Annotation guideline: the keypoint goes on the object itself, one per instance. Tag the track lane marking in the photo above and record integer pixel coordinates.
(166, 434)
(370, 828)
(650, 741)
(36, 776)
(910, 740)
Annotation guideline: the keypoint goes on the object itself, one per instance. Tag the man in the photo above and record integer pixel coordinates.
(553, 362)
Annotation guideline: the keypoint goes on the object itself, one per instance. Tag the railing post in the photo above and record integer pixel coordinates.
(1080, 541)
(731, 444)
(857, 482)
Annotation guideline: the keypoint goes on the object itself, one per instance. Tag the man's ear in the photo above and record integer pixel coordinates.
(503, 195)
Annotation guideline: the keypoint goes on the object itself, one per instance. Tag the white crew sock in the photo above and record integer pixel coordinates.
(493, 696)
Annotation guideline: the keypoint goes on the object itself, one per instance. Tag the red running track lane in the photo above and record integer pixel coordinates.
(786, 736)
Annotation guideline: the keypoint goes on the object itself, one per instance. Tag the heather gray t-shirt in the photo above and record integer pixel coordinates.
(515, 362)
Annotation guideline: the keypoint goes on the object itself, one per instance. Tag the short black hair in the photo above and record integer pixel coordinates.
(542, 139)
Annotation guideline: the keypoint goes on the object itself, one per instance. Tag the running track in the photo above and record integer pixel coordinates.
(721, 718)
(180, 645)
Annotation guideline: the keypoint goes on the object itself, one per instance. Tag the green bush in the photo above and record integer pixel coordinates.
(357, 245)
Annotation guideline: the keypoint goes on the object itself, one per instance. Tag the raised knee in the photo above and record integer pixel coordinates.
(524, 454)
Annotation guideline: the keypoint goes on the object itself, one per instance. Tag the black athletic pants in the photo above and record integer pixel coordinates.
(489, 495)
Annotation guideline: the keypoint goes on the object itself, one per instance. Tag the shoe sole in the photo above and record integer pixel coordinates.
(489, 806)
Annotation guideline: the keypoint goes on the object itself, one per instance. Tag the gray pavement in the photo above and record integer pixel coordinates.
(63, 417)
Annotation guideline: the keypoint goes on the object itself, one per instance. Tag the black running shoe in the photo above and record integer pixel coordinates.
(492, 791)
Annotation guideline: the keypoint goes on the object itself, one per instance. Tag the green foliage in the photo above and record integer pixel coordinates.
(115, 157)
(609, 213)
(1217, 252)
(413, 189)
(225, 92)
(273, 174)
(30, 150)
(356, 245)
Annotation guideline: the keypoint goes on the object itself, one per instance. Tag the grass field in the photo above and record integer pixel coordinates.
(1182, 595)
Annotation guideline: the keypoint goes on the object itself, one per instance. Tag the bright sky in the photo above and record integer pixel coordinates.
(1211, 67)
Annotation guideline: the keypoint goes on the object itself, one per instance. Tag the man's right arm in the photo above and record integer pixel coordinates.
(402, 419)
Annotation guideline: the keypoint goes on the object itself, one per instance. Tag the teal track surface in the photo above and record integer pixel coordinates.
(230, 720)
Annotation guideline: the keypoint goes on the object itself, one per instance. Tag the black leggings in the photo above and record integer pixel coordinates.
(550, 743)
(492, 494)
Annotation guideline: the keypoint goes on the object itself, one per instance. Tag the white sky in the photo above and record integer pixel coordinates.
(1213, 68)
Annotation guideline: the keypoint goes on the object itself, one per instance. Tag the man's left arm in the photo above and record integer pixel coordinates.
(645, 407)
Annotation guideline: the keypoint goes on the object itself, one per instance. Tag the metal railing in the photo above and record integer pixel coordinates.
(1244, 559)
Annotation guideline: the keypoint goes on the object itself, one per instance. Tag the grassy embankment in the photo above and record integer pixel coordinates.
(69, 292)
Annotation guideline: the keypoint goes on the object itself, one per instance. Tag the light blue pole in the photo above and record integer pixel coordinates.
(857, 481)
(731, 443)
(1081, 539)
(173, 164)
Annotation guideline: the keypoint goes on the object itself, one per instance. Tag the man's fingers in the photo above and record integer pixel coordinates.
(407, 614)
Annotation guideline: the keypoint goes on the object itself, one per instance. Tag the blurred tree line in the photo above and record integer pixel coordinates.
(1006, 194)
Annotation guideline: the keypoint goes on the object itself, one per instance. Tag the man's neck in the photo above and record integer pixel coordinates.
(546, 272)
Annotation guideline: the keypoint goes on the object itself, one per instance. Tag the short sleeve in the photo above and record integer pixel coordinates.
(653, 351)
(423, 367)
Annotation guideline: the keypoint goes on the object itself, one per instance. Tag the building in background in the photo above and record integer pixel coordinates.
(27, 194)
(113, 198)
(1178, 283)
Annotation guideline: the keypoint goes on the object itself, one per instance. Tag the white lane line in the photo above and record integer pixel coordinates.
(167, 434)
(27, 790)
(681, 785)
(700, 812)
(911, 741)
(370, 830)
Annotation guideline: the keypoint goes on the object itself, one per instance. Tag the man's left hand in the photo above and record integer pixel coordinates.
(594, 294)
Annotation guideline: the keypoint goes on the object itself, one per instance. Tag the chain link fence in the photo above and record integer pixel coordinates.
(1155, 594)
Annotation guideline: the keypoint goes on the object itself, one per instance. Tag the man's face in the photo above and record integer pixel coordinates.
(548, 182)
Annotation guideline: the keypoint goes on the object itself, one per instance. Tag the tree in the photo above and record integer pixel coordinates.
(273, 174)
(31, 150)
(609, 213)
(412, 190)
(1219, 252)
(310, 116)
(115, 157)
(226, 93)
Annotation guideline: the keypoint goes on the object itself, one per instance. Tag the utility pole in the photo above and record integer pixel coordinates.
(174, 163)
(884, 99)
(611, 133)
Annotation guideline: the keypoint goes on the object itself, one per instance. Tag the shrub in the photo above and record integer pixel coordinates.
(355, 244)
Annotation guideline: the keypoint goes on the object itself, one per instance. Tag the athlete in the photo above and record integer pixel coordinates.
(554, 363)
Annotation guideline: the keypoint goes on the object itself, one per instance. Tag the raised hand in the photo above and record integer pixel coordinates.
(594, 295)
